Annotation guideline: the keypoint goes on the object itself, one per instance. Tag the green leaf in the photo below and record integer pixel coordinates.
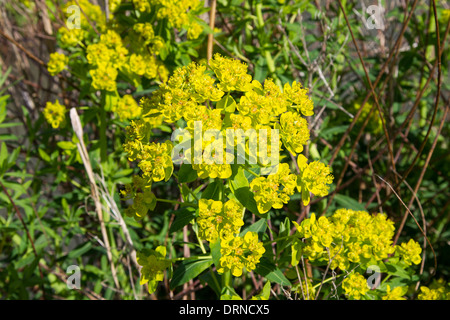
(182, 218)
(241, 190)
(186, 174)
(213, 191)
(258, 227)
(227, 103)
(188, 270)
(215, 252)
(349, 203)
(3, 155)
(269, 270)
(66, 145)
(44, 155)
(80, 250)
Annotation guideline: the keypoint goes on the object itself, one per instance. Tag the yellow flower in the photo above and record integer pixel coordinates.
(355, 286)
(55, 113)
(153, 264)
(156, 161)
(314, 177)
(216, 220)
(274, 190)
(410, 252)
(127, 108)
(104, 77)
(395, 294)
(231, 73)
(299, 96)
(240, 252)
(194, 31)
(438, 290)
(143, 198)
(350, 236)
(70, 38)
(57, 63)
(294, 131)
(142, 5)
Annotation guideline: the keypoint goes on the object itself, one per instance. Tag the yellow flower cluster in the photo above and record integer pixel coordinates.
(299, 97)
(127, 108)
(177, 12)
(71, 37)
(395, 294)
(355, 286)
(143, 197)
(156, 161)
(57, 63)
(274, 190)
(219, 220)
(240, 252)
(350, 236)
(189, 95)
(410, 252)
(89, 13)
(438, 290)
(106, 57)
(55, 114)
(314, 177)
(153, 264)
(294, 131)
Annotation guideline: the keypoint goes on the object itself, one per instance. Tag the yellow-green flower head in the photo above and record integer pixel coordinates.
(127, 108)
(92, 11)
(98, 53)
(143, 198)
(71, 37)
(113, 5)
(438, 290)
(194, 31)
(410, 252)
(255, 106)
(188, 87)
(145, 30)
(240, 252)
(355, 286)
(142, 5)
(142, 203)
(314, 177)
(177, 11)
(216, 220)
(55, 114)
(104, 77)
(57, 63)
(351, 237)
(294, 131)
(395, 294)
(231, 73)
(153, 264)
(299, 97)
(156, 161)
(111, 39)
(274, 190)
(214, 170)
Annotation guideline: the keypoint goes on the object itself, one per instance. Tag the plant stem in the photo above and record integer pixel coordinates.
(103, 143)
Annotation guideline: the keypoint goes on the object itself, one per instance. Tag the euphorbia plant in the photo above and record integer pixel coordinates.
(232, 136)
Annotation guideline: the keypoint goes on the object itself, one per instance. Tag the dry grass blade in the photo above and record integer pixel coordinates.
(76, 124)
